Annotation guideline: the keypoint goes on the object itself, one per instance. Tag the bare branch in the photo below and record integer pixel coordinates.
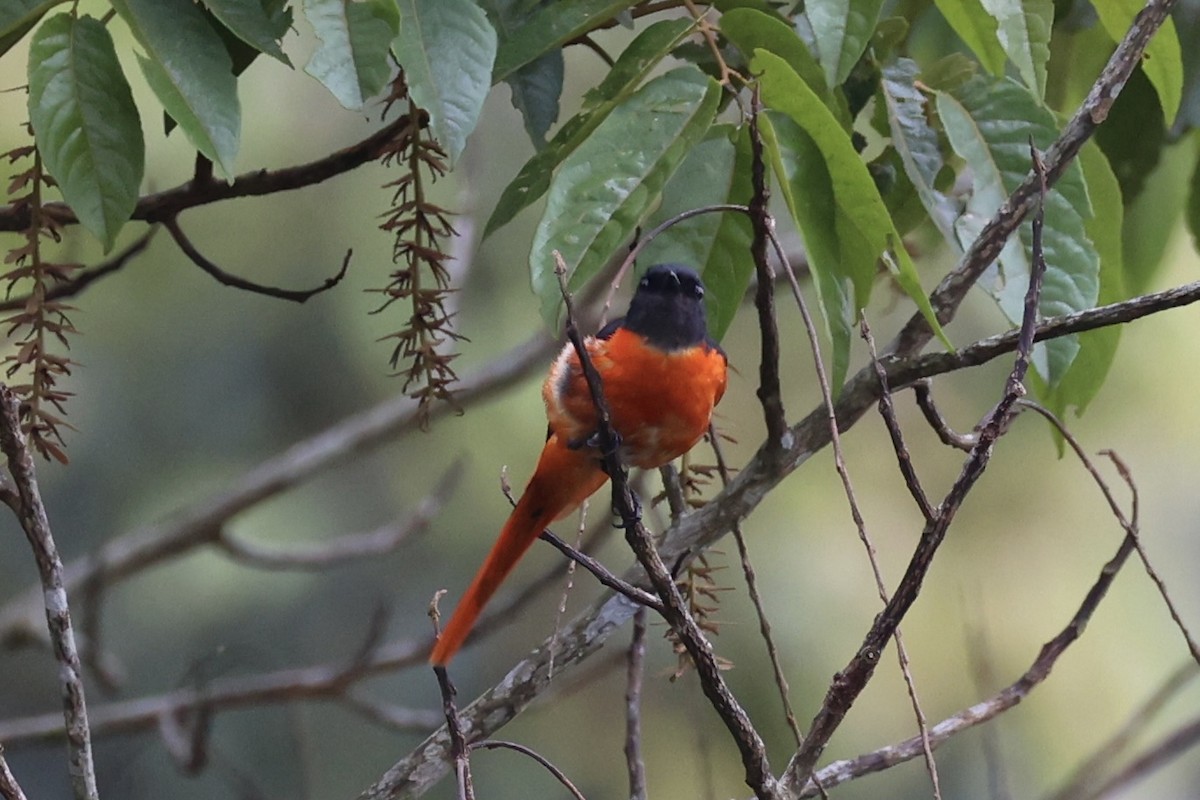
(635, 670)
(9, 788)
(295, 295)
(559, 775)
(84, 279)
(345, 548)
(36, 526)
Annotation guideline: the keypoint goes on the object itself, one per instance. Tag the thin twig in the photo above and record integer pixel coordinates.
(171, 223)
(923, 391)
(36, 525)
(887, 410)
(459, 751)
(769, 392)
(635, 670)
(345, 548)
(1163, 752)
(86, 277)
(764, 623)
(602, 573)
(559, 775)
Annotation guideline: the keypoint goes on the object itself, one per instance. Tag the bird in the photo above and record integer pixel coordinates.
(662, 375)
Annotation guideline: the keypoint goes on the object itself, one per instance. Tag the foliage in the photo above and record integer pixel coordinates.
(877, 127)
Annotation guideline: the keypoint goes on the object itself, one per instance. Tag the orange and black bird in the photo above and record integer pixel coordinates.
(661, 375)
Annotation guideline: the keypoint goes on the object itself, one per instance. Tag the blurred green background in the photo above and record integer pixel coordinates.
(185, 385)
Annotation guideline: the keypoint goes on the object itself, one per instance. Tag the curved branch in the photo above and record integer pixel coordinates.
(171, 223)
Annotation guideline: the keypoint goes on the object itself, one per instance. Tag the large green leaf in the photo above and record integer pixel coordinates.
(353, 58)
(836, 205)
(989, 124)
(1023, 28)
(447, 48)
(632, 66)
(536, 86)
(1097, 348)
(1162, 63)
(549, 27)
(717, 171)
(85, 122)
(614, 179)
(915, 140)
(978, 30)
(750, 30)
(250, 22)
(842, 29)
(17, 18)
(189, 70)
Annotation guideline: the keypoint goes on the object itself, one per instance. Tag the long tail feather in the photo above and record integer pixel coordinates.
(564, 478)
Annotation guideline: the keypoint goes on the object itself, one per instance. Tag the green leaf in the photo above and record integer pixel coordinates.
(836, 205)
(978, 30)
(549, 27)
(188, 69)
(536, 88)
(843, 30)
(17, 18)
(750, 30)
(632, 66)
(1097, 348)
(447, 48)
(85, 122)
(1023, 28)
(717, 171)
(610, 184)
(989, 124)
(1162, 63)
(916, 141)
(250, 22)
(352, 59)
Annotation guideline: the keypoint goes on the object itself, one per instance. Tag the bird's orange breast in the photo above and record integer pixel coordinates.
(661, 401)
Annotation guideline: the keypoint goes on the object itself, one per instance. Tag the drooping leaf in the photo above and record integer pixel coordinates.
(750, 30)
(548, 28)
(807, 189)
(631, 68)
(614, 179)
(1097, 348)
(189, 70)
(252, 23)
(17, 18)
(842, 29)
(989, 124)
(836, 205)
(978, 30)
(1162, 62)
(85, 122)
(353, 58)
(536, 88)
(1023, 28)
(717, 171)
(916, 141)
(447, 48)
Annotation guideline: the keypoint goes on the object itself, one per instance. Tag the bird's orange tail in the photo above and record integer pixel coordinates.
(564, 478)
